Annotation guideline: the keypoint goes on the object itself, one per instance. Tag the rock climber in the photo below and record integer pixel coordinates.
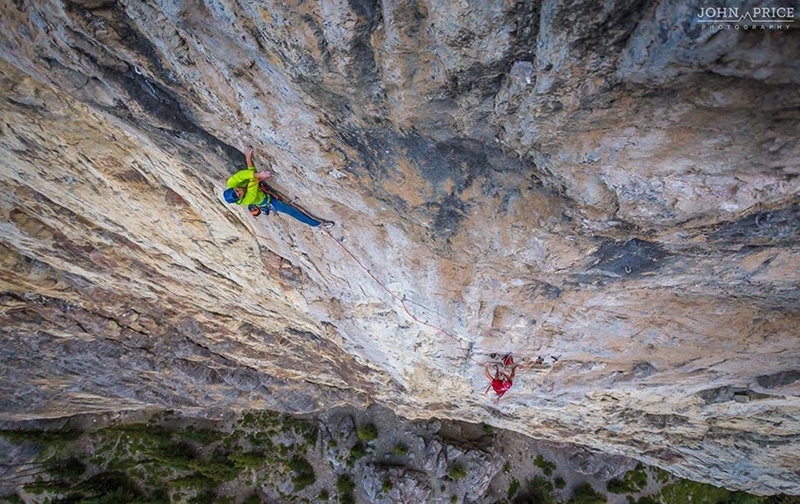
(502, 378)
(244, 188)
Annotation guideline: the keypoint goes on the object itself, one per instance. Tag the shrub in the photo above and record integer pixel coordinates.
(585, 494)
(386, 485)
(513, 488)
(560, 483)
(539, 491)
(456, 471)
(345, 486)
(206, 497)
(309, 431)
(507, 468)
(488, 430)
(400, 450)
(39, 487)
(546, 466)
(324, 495)
(782, 499)
(618, 486)
(193, 481)
(356, 453)
(247, 460)
(367, 432)
(113, 497)
(69, 469)
(159, 495)
(201, 436)
(303, 473)
(683, 490)
(661, 475)
(632, 481)
(219, 470)
(253, 499)
(176, 455)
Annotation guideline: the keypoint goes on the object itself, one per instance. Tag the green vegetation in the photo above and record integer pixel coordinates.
(386, 484)
(157, 462)
(456, 471)
(247, 460)
(488, 430)
(585, 494)
(691, 491)
(206, 497)
(453, 499)
(513, 488)
(545, 465)
(682, 490)
(345, 484)
(661, 475)
(358, 451)
(305, 429)
(400, 450)
(632, 481)
(201, 436)
(345, 487)
(367, 433)
(538, 490)
(69, 469)
(303, 474)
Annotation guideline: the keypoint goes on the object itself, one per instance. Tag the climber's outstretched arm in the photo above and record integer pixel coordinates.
(248, 157)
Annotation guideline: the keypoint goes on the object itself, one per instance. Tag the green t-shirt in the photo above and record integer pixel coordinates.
(245, 178)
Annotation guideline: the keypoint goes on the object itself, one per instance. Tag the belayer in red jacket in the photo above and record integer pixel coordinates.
(502, 378)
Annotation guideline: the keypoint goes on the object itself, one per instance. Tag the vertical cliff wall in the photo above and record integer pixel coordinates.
(615, 185)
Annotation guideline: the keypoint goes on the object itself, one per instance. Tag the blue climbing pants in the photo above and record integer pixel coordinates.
(291, 210)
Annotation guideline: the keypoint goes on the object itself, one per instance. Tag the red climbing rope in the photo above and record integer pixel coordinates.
(395, 296)
(277, 195)
(467, 352)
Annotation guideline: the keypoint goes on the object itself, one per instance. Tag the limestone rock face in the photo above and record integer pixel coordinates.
(613, 184)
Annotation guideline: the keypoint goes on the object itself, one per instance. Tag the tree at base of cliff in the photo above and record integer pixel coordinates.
(585, 494)
(538, 490)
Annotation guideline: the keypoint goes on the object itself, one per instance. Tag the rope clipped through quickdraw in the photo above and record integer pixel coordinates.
(275, 194)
